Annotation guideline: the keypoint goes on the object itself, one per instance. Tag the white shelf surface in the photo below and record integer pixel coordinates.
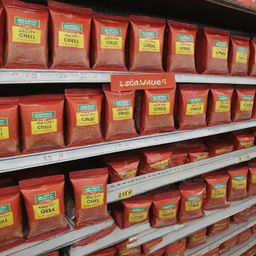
(21, 76)
(174, 233)
(216, 241)
(170, 234)
(115, 237)
(235, 5)
(147, 182)
(57, 242)
(239, 250)
(24, 161)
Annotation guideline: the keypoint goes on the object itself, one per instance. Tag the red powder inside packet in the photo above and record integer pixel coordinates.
(122, 167)
(44, 201)
(132, 211)
(90, 196)
(70, 35)
(123, 250)
(218, 227)
(239, 53)
(26, 43)
(252, 65)
(243, 139)
(181, 47)
(243, 101)
(119, 109)
(237, 182)
(42, 122)
(228, 245)
(9, 130)
(154, 111)
(83, 107)
(11, 225)
(217, 146)
(219, 106)
(155, 159)
(192, 106)
(146, 44)
(241, 217)
(109, 39)
(191, 204)
(251, 186)
(212, 54)
(164, 208)
(243, 236)
(177, 248)
(196, 239)
(216, 190)
(147, 247)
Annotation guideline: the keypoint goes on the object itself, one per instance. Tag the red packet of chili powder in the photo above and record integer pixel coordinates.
(44, 201)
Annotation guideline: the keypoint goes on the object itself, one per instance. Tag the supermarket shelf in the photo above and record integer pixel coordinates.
(216, 241)
(24, 161)
(51, 244)
(28, 76)
(238, 250)
(115, 237)
(138, 185)
(141, 234)
(172, 233)
(235, 5)
(194, 78)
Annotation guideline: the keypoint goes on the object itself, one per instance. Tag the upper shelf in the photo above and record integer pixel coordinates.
(235, 5)
(24, 161)
(34, 76)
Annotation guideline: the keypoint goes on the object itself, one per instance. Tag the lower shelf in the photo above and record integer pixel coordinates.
(142, 233)
(172, 234)
(57, 242)
(147, 182)
(239, 250)
(216, 241)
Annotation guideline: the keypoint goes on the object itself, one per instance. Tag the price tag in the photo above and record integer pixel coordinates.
(243, 158)
(62, 76)
(54, 157)
(125, 194)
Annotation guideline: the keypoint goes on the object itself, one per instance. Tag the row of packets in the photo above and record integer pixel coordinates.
(124, 166)
(169, 206)
(81, 39)
(179, 247)
(45, 204)
(127, 165)
(92, 118)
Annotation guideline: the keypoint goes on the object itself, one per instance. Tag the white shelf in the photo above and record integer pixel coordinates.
(216, 241)
(21, 76)
(147, 182)
(235, 5)
(174, 233)
(239, 250)
(57, 242)
(140, 234)
(115, 237)
(209, 79)
(24, 161)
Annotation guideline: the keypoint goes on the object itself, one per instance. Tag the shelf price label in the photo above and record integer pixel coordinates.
(54, 157)
(243, 158)
(125, 194)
